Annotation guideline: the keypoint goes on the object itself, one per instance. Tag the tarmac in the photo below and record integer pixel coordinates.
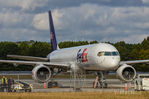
(86, 85)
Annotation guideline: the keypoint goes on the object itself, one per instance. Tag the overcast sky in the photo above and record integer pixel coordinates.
(101, 20)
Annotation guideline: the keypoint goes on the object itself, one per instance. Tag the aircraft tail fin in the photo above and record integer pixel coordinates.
(52, 33)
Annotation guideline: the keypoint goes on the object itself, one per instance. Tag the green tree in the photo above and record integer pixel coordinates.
(145, 44)
(124, 50)
(24, 48)
(8, 48)
(40, 49)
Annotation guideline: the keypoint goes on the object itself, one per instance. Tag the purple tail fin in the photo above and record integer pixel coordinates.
(52, 33)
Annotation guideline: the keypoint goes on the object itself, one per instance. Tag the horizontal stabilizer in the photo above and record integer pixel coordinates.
(31, 58)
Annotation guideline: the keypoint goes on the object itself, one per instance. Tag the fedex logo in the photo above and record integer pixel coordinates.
(82, 56)
(52, 35)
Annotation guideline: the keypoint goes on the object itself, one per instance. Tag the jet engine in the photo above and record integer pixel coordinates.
(126, 73)
(41, 73)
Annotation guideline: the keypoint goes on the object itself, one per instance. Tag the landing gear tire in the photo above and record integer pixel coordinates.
(105, 85)
(52, 84)
(102, 85)
(101, 78)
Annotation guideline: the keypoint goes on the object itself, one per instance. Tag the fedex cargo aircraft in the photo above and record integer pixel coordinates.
(101, 58)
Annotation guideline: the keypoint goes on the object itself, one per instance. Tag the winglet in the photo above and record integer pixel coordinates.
(52, 33)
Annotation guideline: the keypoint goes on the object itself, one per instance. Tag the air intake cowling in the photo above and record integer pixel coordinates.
(41, 73)
(126, 73)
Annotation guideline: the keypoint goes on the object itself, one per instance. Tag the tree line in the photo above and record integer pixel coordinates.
(127, 51)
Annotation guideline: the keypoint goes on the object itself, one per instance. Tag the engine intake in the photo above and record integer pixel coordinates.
(126, 72)
(41, 73)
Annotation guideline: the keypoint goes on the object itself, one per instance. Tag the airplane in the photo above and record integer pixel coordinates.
(99, 58)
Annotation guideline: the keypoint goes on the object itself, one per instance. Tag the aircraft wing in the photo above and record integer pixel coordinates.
(50, 64)
(134, 62)
(28, 58)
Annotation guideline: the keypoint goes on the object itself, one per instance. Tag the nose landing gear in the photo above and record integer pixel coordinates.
(100, 80)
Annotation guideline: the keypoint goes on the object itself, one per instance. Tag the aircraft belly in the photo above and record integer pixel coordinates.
(92, 67)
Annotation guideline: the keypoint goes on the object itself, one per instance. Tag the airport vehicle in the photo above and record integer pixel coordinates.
(141, 82)
(20, 86)
(101, 58)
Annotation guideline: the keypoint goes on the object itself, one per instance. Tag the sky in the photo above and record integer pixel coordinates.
(75, 20)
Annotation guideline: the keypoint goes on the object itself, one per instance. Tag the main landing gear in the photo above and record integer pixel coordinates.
(52, 83)
(100, 80)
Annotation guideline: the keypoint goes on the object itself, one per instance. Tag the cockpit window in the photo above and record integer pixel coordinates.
(106, 53)
(100, 54)
(115, 53)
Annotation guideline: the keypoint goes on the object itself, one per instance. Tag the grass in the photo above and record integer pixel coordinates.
(77, 95)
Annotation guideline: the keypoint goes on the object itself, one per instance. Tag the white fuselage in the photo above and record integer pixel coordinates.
(101, 56)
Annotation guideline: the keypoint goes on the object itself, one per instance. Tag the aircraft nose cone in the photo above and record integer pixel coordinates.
(110, 63)
(114, 63)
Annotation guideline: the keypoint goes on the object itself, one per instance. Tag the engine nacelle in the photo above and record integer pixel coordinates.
(41, 73)
(126, 73)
